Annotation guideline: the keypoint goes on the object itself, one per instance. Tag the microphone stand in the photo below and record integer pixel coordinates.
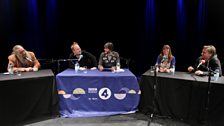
(210, 73)
(64, 60)
(58, 66)
(154, 96)
(46, 62)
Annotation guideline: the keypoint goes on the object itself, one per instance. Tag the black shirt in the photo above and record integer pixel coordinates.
(87, 59)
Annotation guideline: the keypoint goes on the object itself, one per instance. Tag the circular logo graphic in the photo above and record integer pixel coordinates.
(121, 94)
(79, 91)
(104, 93)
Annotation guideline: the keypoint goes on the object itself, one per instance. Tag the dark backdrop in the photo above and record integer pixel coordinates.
(137, 28)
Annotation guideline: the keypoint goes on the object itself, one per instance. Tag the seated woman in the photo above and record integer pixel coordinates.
(166, 61)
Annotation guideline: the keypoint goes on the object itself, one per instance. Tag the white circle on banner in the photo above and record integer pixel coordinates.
(105, 93)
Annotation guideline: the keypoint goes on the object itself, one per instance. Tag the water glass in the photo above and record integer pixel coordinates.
(85, 69)
(152, 68)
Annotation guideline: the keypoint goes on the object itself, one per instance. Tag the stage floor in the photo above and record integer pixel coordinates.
(136, 119)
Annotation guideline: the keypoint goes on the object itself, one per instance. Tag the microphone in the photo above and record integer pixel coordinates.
(202, 62)
(27, 58)
(164, 58)
(80, 57)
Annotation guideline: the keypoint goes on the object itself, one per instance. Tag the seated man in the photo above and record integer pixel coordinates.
(109, 58)
(84, 58)
(207, 60)
(23, 60)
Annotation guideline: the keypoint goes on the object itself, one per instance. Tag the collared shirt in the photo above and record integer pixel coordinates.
(109, 60)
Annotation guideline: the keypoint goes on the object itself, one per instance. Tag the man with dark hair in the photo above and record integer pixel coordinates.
(109, 45)
(109, 58)
(207, 60)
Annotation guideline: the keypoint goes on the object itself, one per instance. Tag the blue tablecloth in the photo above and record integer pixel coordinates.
(97, 93)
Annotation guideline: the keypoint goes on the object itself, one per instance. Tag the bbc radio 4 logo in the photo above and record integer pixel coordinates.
(105, 93)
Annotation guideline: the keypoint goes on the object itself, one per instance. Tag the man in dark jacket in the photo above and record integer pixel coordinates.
(84, 58)
(207, 61)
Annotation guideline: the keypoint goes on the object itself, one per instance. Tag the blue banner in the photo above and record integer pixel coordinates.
(96, 93)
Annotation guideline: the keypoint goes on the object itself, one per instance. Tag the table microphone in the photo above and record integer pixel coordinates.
(164, 58)
(80, 57)
(202, 62)
(27, 58)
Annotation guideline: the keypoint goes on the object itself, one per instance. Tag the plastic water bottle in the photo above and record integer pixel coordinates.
(76, 67)
(10, 68)
(118, 67)
(215, 77)
(173, 70)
